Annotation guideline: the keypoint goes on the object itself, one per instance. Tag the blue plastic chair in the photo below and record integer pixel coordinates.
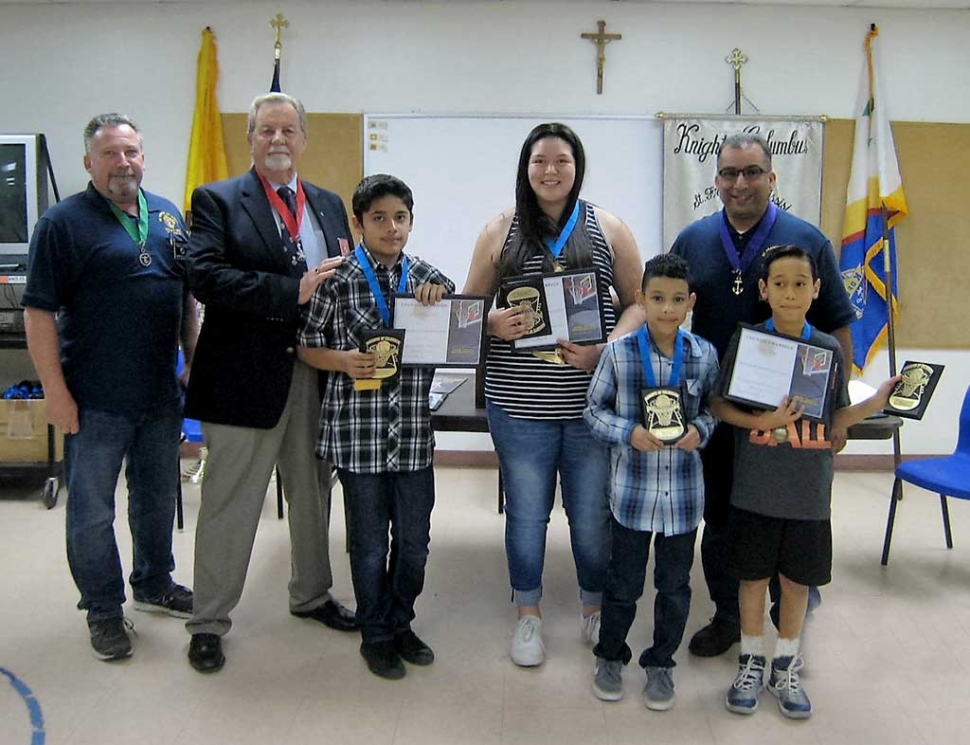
(948, 477)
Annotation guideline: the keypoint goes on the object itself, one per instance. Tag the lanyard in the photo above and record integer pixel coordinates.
(806, 330)
(555, 247)
(644, 342)
(291, 222)
(757, 242)
(375, 288)
(137, 230)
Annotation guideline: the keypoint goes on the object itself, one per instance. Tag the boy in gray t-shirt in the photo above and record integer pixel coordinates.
(781, 495)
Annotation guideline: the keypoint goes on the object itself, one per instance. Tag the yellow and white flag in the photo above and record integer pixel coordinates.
(875, 204)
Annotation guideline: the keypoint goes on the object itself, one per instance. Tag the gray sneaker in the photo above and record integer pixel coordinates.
(109, 638)
(784, 683)
(658, 693)
(608, 679)
(742, 696)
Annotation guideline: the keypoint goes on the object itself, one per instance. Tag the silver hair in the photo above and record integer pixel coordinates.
(275, 98)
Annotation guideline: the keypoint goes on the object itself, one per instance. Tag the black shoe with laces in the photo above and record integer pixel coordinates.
(175, 601)
(412, 649)
(109, 638)
(716, 638)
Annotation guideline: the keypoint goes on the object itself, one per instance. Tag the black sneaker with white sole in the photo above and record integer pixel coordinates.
(109, 638)
(175, 601)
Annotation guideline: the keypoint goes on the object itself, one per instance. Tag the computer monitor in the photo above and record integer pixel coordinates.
(23, 194)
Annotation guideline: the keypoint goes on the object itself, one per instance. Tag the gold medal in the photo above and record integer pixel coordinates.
(780, 434)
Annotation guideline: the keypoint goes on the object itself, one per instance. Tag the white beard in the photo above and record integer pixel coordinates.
(278, 162)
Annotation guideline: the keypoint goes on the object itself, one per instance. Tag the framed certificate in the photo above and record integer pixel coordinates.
(912, 394)
(769, 366)
(449, 333)
(563, 305)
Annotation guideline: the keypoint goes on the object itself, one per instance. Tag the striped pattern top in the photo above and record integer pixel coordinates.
(527, 387)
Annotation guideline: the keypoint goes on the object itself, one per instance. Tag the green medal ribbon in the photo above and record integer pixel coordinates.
(138, 231)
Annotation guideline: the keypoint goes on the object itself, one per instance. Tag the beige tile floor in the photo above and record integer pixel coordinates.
(888, 653)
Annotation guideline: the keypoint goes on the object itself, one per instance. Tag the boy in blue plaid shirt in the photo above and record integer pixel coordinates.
(657, 490)
(381, 441)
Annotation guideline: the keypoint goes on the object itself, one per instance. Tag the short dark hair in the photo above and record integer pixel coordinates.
(741, 140)
(666, 265)
(774, 253)
(372, 188)
(105, 121)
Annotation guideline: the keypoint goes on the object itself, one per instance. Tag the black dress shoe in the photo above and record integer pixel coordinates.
(331, 614)
(715, 639)
(412, 649)
(205, 653)
(382, 659)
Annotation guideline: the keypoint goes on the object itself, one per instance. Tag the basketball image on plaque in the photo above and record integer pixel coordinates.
(581, 302)
(533, 299)
(386, 345)
(663, 413)
(912, 393)
(465, 331)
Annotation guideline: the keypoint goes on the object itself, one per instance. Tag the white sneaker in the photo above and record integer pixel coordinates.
(527, 647)
(590, 628)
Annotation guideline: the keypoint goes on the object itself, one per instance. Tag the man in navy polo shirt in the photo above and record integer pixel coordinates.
(106, 306)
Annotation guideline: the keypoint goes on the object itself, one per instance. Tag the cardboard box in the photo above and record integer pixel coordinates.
(23, 432)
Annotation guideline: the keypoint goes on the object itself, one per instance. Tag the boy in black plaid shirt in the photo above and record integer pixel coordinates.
(381, 441)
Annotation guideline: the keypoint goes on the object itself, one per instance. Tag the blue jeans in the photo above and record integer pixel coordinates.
(149, 444)
(674, 556)
(531, 452)
(386, 587)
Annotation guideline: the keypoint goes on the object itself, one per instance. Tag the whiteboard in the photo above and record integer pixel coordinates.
(462, 170)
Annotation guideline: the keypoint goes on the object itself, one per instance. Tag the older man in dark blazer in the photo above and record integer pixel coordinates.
(260, 246)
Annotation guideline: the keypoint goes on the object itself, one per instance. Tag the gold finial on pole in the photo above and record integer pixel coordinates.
(737, 60)
(278, 23)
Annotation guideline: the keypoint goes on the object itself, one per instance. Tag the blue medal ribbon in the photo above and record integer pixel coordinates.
(757, 242)
(556, 247)
(375, 287)
(644, 342)
(806, 330)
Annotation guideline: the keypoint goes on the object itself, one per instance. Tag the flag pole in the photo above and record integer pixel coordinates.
(889, 268)
(889, 271)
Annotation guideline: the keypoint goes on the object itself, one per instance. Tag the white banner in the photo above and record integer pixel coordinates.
(690, 163)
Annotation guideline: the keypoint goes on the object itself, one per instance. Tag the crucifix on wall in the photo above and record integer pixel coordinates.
(600, 38)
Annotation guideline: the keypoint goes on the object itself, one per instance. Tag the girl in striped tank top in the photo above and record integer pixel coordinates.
(535, 404)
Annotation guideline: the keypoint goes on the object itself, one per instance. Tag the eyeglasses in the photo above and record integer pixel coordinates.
(750, 173)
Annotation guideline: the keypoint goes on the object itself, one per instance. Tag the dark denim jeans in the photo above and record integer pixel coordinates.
(624, 586)
(532, 452)
(386, 586)
(718, 460)
(148, 443)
